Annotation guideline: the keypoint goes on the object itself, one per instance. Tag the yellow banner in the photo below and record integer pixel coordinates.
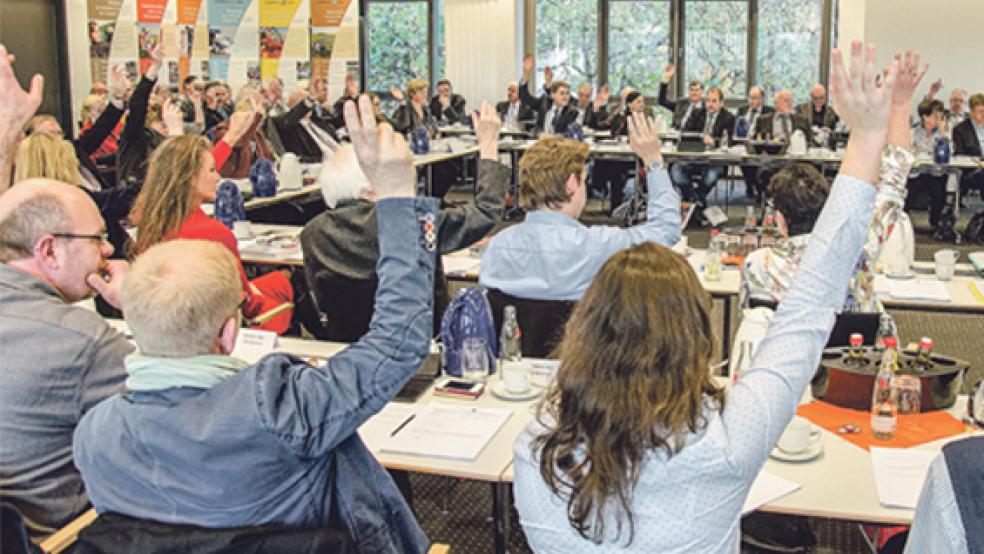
(278, 13)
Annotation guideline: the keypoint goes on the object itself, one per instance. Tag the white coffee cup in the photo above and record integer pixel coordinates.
(945, 263)
(242, 229)
(681, 246)
(516, 376)
(798, 436)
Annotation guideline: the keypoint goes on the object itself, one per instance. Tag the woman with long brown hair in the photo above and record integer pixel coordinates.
(181, 176)
(634, 446)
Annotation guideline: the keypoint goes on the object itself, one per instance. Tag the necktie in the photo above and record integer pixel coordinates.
(786, 128)
(752, 118)
(709, 126)
(548, 122)
(686, 116)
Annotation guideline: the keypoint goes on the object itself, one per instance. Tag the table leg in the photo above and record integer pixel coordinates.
(499, 516)
(956, 205)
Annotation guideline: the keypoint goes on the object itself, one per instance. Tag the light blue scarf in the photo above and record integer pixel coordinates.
(149, 373)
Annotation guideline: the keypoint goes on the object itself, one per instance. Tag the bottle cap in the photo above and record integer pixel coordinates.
(891, 342)
(714, 232)
(926, 343)
(857, 339)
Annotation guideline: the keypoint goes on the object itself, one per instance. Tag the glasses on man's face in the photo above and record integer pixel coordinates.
(102, 237)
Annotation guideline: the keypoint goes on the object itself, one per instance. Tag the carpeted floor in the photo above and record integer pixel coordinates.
(458, 512)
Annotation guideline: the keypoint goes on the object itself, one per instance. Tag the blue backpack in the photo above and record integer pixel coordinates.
(468, 315)
(264, 178)
(229, 204)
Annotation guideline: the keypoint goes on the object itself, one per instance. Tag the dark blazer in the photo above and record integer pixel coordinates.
(343, 241)
(541, 105)
(454, 112)
(596, 119)
(525, 116)
(725, 121)
(805, 110)
(743, 113)
(965, 141)
(93, 137)
(136, 140)
(337, 110)
(405, 119)
(679, 108)
(764, 126)
(618, 122)
(295, 138)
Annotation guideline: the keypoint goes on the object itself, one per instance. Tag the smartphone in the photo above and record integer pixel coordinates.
(459, 388)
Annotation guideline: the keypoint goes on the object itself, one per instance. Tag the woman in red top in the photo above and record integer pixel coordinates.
(181, 175)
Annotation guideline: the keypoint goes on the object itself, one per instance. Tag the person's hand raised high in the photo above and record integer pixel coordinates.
(382, 153)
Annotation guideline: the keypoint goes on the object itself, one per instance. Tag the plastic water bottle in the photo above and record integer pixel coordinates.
(712, 260)
(941, 151)
(509, 338)
(884, 402)
(420, 141)
(741, 130)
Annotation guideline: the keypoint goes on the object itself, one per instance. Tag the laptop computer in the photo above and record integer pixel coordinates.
(691, 142)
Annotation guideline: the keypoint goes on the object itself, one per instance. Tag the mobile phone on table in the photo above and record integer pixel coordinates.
(459, 388)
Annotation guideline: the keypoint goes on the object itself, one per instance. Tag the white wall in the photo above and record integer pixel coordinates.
(945, 33)
(79, 82)
(483, 39)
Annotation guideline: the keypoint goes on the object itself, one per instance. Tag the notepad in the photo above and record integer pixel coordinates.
(900, 474)
(766, 488)
(917, 289)
(378, 428)
(253, 344)
(457, 265)
(447, 431)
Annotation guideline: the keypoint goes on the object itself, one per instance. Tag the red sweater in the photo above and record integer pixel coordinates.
(199, 226)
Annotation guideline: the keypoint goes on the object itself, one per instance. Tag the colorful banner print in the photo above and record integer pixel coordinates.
(105, 9)
(278, 13)
(188, 11)
(328, 13)
(151, 11)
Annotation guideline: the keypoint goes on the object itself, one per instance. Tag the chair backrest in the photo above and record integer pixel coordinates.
(541, 321)
(348, 306)
(13, 533)
(848, 323)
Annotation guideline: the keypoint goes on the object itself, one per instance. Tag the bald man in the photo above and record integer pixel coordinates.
(817, 112)
(784, 122)
(59, 360)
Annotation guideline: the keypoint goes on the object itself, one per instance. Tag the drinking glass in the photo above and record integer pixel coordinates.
(474, 359)
(908, 390)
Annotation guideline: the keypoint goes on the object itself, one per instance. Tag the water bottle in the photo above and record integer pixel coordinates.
(420, 141)
(750, 220)
(712, 260)
(741, 129)
(941, 152)
(575, 131)
(884, 404)
(724, 140)
(509, 338)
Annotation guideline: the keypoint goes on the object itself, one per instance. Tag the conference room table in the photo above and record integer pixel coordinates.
(838, 484)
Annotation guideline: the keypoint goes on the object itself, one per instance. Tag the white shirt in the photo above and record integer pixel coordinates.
(548, 121)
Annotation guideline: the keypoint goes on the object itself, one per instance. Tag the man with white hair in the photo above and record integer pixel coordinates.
(817, 112)
(201, 438)
(273, 97)
(59, 360)
(784, 122)
(342, 242)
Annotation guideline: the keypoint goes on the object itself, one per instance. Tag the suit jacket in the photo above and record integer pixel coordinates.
(618, 122)
(296, 138)
(725, 121)
(405, 119)
(965, 141)
(338, 110)
(764, 126)
(695, 123)
(805, 110)
(525, 116)
(454, 113)
(542, 105)
(137, 141)
(596, 119)
(743, 113)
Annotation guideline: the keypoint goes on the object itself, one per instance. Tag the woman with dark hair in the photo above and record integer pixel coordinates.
(635, 447)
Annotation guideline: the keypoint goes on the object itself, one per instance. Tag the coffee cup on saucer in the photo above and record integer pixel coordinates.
(798, 437)
(516, 376)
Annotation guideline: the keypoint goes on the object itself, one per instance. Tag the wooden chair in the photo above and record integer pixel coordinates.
(66, 536)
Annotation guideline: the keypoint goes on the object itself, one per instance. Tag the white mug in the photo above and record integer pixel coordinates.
(945, 262)
(242, 229)
(798, 436)
(516, 376)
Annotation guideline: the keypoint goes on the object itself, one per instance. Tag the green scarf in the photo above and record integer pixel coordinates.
(148, 373)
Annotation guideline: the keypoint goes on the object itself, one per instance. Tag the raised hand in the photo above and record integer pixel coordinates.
(172, 117)
(383, 154)
(16, 105)
(528, 65)
(548, 75)
(601, 99)
(934, 88)
(669, 73)
(487, 126)
(908, 78)
(396, 93)
(644, 139)
(117, 82)
(239, 123)
(351, 88)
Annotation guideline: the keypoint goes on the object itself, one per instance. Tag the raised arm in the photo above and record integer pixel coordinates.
(664, 86)
(92, 139)
(765, 397)
(321, 408)
(17, 106)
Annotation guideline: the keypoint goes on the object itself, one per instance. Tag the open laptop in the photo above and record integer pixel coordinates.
(691, 142)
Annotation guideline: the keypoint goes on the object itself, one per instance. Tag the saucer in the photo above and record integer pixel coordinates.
(499, 391)
(908, 275)
(810, 453)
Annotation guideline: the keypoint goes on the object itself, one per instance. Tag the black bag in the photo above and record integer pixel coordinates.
(975, 229)
(946, 228)
(764, 533)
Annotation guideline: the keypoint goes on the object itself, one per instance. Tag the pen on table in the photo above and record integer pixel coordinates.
(402, 425)
(977, 293)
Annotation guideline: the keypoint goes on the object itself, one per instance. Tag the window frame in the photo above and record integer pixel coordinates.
(434, 14)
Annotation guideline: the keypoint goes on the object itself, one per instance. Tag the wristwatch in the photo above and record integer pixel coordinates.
(655, 165)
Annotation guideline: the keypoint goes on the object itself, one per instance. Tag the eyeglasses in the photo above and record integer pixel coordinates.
(102, 237)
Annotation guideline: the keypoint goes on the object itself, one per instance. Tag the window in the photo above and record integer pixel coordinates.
(397, 43)
(789, 33)
(638, 43)
(567, 40)
(716, 35)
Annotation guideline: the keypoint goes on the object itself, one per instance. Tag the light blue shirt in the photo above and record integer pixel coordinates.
(552, 256)
(692, 502)
(938, 528)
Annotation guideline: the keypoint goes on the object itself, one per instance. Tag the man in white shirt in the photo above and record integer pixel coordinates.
(515, 115)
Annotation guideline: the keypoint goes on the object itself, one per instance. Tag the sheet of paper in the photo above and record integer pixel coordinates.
(900, 474)
(455, 265)
(253, 344)
(447, 431)
(767, 488)
(378, 428)
(918, 289)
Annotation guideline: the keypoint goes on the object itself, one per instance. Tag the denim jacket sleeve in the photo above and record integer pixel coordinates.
(312, 410)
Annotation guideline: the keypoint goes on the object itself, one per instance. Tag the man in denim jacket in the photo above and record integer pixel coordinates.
(198, 438)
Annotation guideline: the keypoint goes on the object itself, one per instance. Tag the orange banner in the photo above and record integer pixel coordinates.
(328, 13)
(188, 11)
(150, 11)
